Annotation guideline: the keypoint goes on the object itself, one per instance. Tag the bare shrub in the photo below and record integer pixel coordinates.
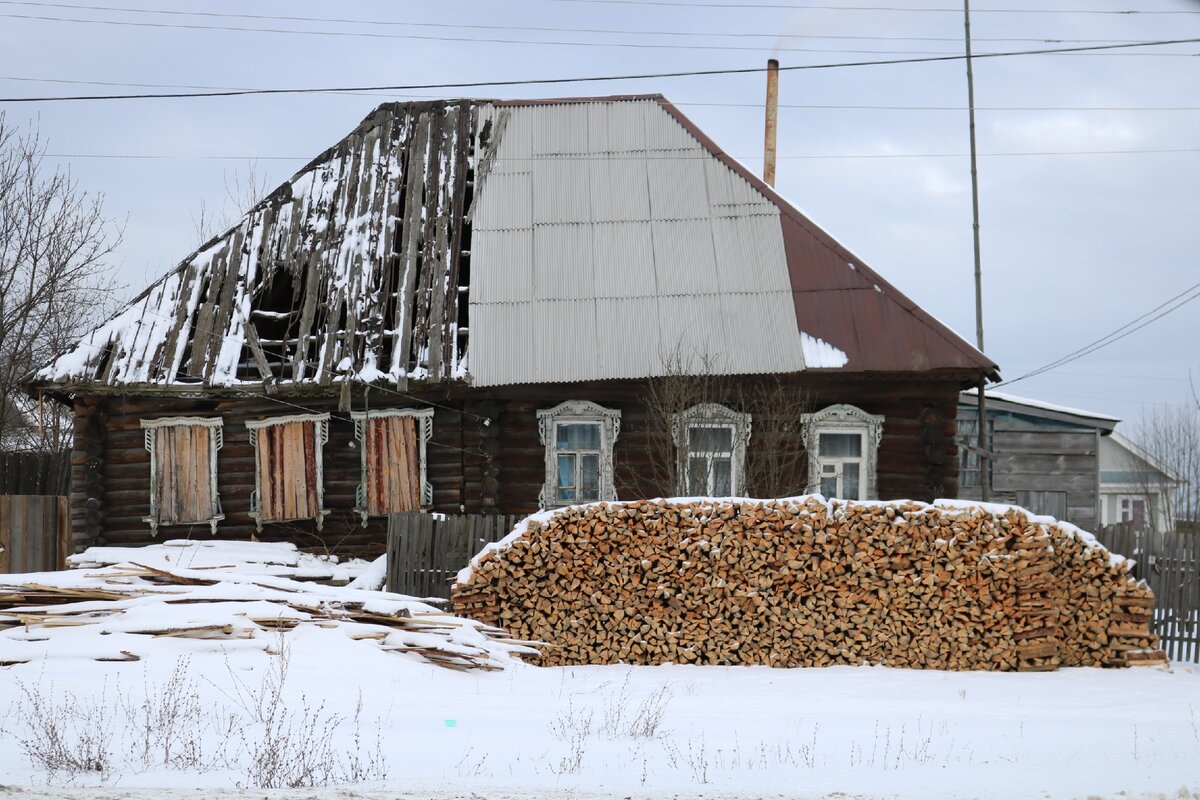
(168, 726)
(68, 736)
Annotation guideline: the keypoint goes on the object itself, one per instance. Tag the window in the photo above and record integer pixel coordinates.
(842, 443)
(288, 474)
(1132, 510)
(578, 437)
(711, 442)
(183, 471)
(393, 443)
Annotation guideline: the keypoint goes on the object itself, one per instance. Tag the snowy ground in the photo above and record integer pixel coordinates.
(234, 718)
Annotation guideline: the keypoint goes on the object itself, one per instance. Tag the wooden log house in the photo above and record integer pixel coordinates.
(469, 305)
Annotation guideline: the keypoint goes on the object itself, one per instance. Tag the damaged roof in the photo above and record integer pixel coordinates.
(507, 242)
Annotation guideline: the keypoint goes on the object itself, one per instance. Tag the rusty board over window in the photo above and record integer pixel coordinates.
(183, 484)
(393, 460)
(288, 474)
(393, 466)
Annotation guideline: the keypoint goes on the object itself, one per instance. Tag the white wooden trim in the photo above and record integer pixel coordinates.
(843, 418)
(424, 417)
(215, 443)
(711, 415)
(609, 420)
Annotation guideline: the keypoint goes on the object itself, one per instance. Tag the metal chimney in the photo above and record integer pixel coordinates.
(772, 118)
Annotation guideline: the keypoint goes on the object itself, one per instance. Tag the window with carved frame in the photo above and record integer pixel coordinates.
(710, 442)
(393, 445)
(183, 471)
(578, 436)
(289, 473)
(843, 448)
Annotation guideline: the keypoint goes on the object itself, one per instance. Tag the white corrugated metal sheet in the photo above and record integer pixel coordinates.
(642, 248)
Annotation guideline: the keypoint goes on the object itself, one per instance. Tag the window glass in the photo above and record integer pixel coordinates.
(589, 477)
(710, 440)
(566, 476)
(850, 480)
(722, 477)
(845, 445)
(578, 436)
(829, 486)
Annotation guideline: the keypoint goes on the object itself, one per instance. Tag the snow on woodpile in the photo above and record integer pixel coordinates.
(129, 604)
(808, 582)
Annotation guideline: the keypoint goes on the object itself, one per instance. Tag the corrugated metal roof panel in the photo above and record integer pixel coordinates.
(663, 132)
(565, 341)
(562, 262)
(727, 188)
(694, 327)
(617, 187)
(619, 127)
(749, 251)
(560, 190)
(683, 257)
(560, 130)
(623, 260)
(677, 188)
(506, 202)
(511, 253)
(628, 326)
(753, 332)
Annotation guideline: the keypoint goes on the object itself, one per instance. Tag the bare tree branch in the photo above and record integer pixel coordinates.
(54, 284)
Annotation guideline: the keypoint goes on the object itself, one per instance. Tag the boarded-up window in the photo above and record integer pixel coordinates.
(183, 471)
(288, 476)
(393, 445)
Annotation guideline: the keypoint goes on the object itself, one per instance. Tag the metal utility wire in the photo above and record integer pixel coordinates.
(1170, 305)
(773, 36)
(700, 157)
(496, 40)
(594, 78)
(872, 9)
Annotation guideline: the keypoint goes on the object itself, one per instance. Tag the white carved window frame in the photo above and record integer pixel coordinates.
(843, 418)
(320, 438)
(215, 441)
(576, 411)
(424, 422)
(711, 415)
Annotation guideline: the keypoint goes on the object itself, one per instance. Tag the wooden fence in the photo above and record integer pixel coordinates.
(35, 473)
(426, 551)
(35, 533)
(1170, 563)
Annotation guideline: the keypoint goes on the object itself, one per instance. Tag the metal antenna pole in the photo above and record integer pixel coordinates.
(985, 488)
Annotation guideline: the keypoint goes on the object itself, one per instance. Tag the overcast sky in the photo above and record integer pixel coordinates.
(1089, 167)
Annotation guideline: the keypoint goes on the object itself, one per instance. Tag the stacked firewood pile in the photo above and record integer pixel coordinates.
(803, 582)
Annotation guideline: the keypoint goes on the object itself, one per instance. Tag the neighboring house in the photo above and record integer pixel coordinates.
(459, 307)
(1136, 487)
(1045, 457)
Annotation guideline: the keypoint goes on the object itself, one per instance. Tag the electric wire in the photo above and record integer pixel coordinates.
(774, 36)
(1175, 303)
(594, 78)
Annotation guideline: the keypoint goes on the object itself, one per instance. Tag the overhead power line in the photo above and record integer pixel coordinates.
(871, 9)
(1158, 312)
(592, 79)
(680, 103)
(559, 158)
(773, 36)
(497, 40)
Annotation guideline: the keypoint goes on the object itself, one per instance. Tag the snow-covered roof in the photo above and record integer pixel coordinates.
(604, 238)
(1025, 405)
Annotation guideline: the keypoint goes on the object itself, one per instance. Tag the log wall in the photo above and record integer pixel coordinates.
(473, 466)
